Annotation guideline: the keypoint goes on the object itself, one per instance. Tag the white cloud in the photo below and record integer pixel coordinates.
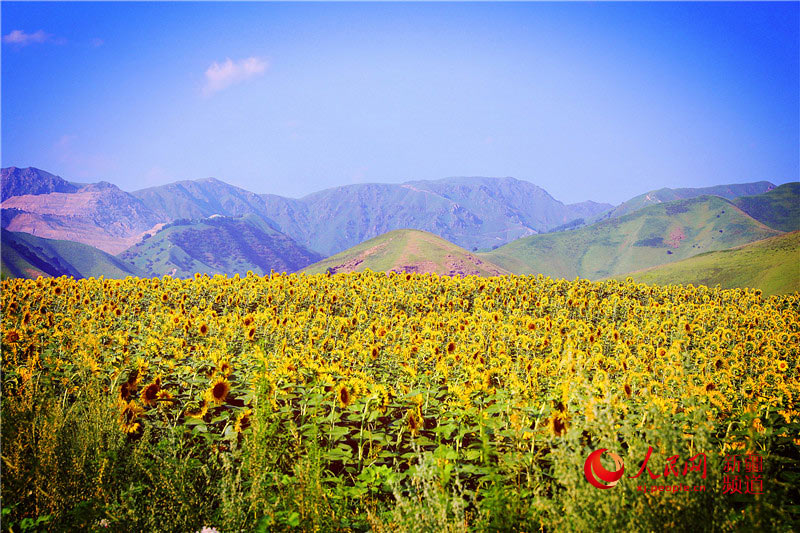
(221, 76)
(20, 38)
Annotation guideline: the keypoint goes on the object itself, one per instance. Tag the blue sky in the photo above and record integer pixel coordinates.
(597, 101)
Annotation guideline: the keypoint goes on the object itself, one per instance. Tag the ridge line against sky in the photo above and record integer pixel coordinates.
(598, 101)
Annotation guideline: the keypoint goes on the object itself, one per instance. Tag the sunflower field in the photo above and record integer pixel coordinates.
(392, 402)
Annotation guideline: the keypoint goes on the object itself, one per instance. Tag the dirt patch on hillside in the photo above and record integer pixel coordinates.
(351, 264)
(469, 266)
(675, 237)
(420, 267)
(71, 228)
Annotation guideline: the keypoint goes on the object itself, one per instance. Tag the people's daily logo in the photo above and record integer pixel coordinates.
(597, 475)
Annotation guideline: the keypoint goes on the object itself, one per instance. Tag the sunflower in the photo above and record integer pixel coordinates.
(196, 410)
(203, 329)
(218, 391)
(12, 336)
(242, 421)
(344, 396)
(782, 366)
(558, 425)
(251, 334)
(414, 421)
(150, 393)
(225, 368)
(129, 416)
(124, 393)
(165, 398)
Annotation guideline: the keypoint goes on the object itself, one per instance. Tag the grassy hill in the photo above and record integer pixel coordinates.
(28, 256)
(778, 208)
(772, 265)
(662, 233)
(410, 251)
(218, 245)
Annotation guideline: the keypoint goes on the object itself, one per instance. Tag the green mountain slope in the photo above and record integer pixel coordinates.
(772, 265)
(218, 245)
(778, 208)
(651, 236)
(28, 256)
(407, 250)
(659, 196)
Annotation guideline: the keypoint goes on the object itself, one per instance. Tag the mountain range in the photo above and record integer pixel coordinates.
(465, 225)
(473, 213)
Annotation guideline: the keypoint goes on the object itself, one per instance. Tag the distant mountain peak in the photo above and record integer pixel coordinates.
(99, 186)
(15, 181)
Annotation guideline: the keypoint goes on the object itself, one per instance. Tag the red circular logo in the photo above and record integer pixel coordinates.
(593, 467)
